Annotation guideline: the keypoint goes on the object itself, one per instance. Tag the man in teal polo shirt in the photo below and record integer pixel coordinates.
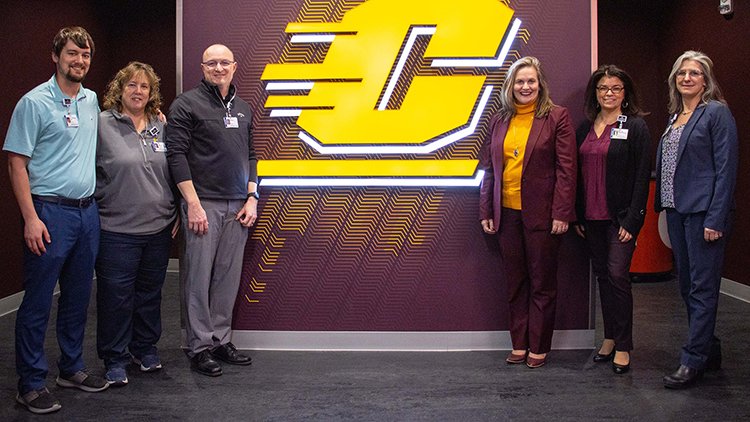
(51, 145)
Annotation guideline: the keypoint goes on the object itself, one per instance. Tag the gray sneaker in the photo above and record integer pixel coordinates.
(39, 401)
(83, 381)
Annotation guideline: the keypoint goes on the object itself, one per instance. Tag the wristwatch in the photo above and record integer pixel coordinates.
(255, 195)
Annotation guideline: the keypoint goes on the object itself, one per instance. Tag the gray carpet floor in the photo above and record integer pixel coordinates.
(466, 386)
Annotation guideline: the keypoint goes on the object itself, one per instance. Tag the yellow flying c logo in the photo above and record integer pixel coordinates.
(347, 104)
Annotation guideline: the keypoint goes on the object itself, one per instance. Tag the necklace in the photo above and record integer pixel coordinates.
(515, 139)
(685, 113)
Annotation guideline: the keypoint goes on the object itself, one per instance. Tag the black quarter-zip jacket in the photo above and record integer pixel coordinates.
(219, 160)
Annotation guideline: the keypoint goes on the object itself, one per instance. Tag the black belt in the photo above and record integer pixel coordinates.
(68, 202)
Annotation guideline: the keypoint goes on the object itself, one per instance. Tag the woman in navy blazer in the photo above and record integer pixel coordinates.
(528, 198)
(696, 166)
(614, 167)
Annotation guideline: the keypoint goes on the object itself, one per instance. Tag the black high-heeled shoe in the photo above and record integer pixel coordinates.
(620, 369)
(598, 358)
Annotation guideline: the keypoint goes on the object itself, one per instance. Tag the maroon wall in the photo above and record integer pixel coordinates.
(371, 258)
(122, 31)
(645, 37)
(642, 36)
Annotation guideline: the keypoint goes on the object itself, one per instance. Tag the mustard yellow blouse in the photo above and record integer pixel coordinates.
(514, 148)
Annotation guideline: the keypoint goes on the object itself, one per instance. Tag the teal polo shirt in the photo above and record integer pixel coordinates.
(61, 158)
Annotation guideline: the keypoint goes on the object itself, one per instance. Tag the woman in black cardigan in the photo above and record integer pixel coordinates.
(614, 167)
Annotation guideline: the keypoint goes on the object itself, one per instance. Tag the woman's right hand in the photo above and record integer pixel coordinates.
(488, 226)
(580, 230)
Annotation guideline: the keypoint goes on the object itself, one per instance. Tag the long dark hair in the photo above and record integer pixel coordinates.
(630, 101)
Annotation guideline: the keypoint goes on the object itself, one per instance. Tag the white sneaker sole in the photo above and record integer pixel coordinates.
(55, 407)
(120, 383)
(147, 368)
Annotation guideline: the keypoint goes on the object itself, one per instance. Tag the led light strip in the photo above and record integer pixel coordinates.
(289, 86)
(421, 182)
(402, 149)
(312, 38)
(415, 32)
(286, 112)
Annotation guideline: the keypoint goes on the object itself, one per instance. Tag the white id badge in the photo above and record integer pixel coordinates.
(158, 146)
(231, 123)
(71, 120)
(619, 133)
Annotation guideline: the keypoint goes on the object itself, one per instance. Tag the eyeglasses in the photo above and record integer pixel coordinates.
(213, 64)
(615, 89)
(693, 73)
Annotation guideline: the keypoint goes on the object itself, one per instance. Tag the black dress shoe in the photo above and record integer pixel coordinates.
(683, 377)
(203, 363)
(229, 354)
(620, 369)
(598, 358)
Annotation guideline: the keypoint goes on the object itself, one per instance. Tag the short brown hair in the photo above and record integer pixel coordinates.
(113, 96)
(77, 34)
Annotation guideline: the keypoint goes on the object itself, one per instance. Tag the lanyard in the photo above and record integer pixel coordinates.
(228, 105)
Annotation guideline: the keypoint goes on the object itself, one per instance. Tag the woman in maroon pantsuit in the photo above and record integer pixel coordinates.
(528, 198)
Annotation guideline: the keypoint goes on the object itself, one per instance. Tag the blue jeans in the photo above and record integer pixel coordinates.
(70, 258)
(130, 271)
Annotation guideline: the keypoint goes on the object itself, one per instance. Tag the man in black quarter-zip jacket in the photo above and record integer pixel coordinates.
(212, 160)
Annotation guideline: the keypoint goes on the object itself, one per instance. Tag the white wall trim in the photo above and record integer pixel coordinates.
(396, 341)
(10, 303)
(594, 35)
(736, 290)
(173, 266)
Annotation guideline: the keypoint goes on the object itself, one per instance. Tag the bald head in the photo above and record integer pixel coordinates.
(218, 49)
(219, 66)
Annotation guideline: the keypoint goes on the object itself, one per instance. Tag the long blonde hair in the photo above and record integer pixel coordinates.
(507, 100)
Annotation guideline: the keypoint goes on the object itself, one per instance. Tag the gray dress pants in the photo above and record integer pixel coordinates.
(211, 268)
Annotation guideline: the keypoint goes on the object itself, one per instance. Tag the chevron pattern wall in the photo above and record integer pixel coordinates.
(385, 258)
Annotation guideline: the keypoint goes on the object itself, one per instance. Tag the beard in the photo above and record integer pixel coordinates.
(73, 78)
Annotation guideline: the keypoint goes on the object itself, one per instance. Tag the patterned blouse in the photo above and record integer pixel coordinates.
(668, 165)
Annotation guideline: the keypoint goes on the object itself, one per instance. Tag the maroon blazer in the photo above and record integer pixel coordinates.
(548, 177)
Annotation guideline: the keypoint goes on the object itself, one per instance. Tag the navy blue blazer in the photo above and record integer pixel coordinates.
(706, 171)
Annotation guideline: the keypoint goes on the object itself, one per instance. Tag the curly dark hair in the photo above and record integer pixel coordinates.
(113, 96)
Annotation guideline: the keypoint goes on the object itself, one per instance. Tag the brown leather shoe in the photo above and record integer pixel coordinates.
(514, 359)
(535, 363)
